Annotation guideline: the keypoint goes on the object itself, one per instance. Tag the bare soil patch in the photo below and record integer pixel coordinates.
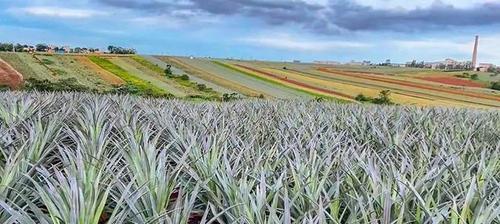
(9, 76)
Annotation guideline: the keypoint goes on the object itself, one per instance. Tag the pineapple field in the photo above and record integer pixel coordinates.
(90, 158)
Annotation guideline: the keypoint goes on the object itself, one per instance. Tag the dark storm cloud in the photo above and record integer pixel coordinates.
(336, 16)
(352, 16)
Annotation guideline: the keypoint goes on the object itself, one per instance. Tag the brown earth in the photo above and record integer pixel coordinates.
(9, 76)
(103, 74)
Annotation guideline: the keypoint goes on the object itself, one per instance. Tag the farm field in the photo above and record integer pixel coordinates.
(178, 72)
(461, 95)
(151, 77)
(353, 90)
(182, 82)
(214, 78)
(231, 77)
(108, 77)
(403, 74)
(405, 89)
(9, 76)
(64, 67)
(123, 159)
(290, 83)
(307, 73)
(452, 81)
(27, 65)
(276, 80)
(139, 84)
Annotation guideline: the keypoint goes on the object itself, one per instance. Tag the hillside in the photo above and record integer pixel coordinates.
(206, 78)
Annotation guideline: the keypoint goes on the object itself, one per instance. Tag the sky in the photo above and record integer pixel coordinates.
(279, 30)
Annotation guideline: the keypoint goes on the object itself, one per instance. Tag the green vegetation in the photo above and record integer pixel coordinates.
(121, 50)
(382, 99)
(466, 75)
(226, 97)
(91, 159)
(69, 84)
(474, 77)
(46, 61)
(143, 87)
(495, 85)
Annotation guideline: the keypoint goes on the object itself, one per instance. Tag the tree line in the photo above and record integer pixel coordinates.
(9, 47)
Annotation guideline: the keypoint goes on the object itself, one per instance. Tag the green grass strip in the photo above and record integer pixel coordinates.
(276, 82)
(127, 77)
(148, 64)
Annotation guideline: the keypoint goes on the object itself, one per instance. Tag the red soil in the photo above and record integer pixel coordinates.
(327, 91)
(410, 84)
(9, 76)
(452, 81)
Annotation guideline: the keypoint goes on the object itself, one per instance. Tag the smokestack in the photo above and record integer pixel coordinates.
(474, 54)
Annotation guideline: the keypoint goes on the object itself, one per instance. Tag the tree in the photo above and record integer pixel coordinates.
(41, 47)
(6, 47)
(383, 98)
(19, 48)
(201, 87)
(474, 77)
(226, 97)
(495, 85)
(168, 71)
(363, 98)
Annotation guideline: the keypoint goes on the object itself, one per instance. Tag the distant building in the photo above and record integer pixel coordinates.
(327, 62)
(485, 67)
(355, 63)
(296, 61)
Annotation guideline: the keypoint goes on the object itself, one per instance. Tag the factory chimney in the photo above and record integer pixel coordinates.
(474, 53)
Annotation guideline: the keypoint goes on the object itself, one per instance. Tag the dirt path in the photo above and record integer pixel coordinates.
(103, 74)
(9, 76)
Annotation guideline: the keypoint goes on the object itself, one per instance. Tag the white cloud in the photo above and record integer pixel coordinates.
(58, 12)
(286, 42)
